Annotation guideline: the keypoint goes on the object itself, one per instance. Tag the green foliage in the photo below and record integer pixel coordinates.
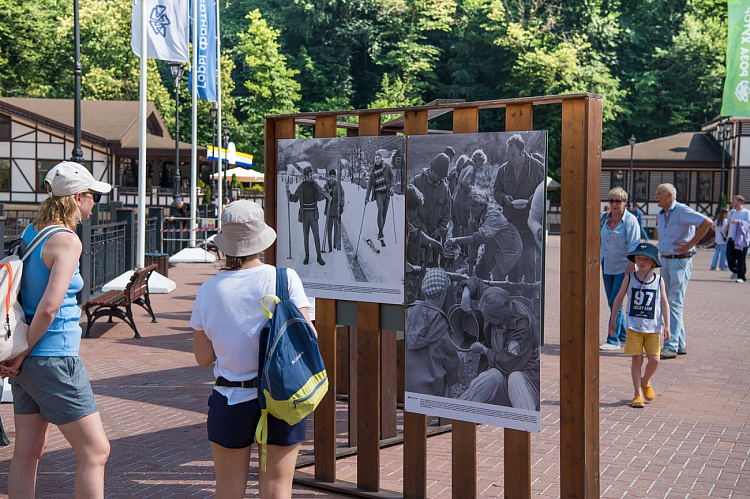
(271, 83)
(234, 183)
(658, 63)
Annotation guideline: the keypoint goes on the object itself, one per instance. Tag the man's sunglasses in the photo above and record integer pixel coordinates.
(616, 201)
(96, 196)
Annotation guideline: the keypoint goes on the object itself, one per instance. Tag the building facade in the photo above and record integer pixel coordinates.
(36, 134)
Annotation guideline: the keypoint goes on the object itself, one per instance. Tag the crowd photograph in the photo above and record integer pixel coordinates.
(475, 205)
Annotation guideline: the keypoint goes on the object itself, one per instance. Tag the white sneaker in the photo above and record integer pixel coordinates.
(608, 346)
(740, 280)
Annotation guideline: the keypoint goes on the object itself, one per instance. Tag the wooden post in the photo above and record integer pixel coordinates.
(517, 450)
(579, 297)
(464, 434)
(325, 323)
(368, 370)
(280, 128)
(368, 396)
(415, 425)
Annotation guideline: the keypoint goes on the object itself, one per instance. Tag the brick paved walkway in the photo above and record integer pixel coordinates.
(692, 441)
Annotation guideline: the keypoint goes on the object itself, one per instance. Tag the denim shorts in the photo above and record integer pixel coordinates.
(56, 388)
(233, 426)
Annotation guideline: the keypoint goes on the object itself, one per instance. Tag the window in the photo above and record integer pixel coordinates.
(640, 188)
(5, 127)
(682, 185)
(4, 175)
(42, 167)
(704, 187)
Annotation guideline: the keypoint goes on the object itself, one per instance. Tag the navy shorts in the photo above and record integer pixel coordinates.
(56, 388)
(233, 426)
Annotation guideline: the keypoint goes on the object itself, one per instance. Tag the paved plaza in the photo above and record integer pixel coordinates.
(692, 441)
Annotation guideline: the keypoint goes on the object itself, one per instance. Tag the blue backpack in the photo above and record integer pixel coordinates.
(292, 378)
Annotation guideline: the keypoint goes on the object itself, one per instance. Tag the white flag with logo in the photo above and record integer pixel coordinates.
(168, 27)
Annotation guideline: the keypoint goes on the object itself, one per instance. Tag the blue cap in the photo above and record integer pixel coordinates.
(646, 249)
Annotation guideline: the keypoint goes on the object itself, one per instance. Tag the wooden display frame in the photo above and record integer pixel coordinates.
(580, 166)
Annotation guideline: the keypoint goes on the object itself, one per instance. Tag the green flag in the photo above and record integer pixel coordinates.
(736, 100)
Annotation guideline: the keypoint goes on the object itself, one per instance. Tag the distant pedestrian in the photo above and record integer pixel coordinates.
(737, 240)
(618, 236)
(648, 315)
(639, 216)
(227, 320)
(49, 381)
(720, 225)
(380, 189)
(680, 229)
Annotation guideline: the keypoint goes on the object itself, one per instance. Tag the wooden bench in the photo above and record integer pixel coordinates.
(119, 303)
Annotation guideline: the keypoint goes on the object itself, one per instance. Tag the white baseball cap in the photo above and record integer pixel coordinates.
(69, 178)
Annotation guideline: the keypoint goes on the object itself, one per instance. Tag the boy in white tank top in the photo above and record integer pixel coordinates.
(647, 316)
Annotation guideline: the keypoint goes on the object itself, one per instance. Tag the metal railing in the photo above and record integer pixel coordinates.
(107, 253)
(175, 233)
(17, 220)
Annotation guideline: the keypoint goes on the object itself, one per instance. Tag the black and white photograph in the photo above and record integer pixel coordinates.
(474, 266)
(341, 215)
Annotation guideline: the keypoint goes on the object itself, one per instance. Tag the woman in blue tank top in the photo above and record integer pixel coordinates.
(49, 382)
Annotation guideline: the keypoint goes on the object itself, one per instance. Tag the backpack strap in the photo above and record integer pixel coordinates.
(282, 284)
(269, 302)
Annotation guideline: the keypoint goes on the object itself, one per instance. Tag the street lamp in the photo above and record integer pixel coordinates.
(225, 129)
(631, 141)
(725, 132)
(77, 151)
(214, 193)
(177, 69)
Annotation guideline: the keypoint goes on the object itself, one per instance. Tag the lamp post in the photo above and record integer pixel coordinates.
(225, 129)
(725, 131)
(77, 151)
(214, 193)
(631, 141)
(177, 69)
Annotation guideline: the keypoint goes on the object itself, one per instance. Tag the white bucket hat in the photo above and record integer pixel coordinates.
(69, 178)
(243, 229)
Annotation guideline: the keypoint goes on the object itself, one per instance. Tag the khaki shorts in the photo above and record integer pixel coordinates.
(636, 343)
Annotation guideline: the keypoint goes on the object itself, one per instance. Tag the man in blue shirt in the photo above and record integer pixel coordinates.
(680, 229)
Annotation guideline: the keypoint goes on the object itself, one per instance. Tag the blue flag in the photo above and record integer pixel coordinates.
(206, 67)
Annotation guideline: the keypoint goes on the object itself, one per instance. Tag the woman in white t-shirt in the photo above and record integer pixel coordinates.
(227, 319)
(720, 250)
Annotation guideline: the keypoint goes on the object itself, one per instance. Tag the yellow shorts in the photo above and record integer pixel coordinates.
(636, 342)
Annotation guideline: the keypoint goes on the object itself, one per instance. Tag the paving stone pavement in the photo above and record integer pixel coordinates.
(692, 441)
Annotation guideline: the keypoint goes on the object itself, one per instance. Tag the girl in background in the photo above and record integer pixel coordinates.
(720, 253)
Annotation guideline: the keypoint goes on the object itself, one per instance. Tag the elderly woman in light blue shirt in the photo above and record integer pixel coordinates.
(619, 235)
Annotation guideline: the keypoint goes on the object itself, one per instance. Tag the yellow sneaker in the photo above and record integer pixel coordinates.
(637, 403)
(648, 392)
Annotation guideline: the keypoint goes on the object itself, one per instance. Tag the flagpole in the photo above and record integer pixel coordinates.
(219, 183)
(194, 150)
(141, 236)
